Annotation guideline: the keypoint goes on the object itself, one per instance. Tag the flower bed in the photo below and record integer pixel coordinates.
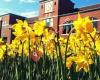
(36, 53)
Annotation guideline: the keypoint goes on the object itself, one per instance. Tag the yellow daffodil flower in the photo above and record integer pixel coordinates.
(38, 27)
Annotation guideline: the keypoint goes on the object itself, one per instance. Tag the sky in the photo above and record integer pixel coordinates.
(30, 8)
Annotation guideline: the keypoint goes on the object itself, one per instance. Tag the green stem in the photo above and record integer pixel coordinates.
(95, 57)
(58, 72)
(16, 67)
(16, 73)
(60, 58)
(66, 50)
(44, 61)
(29, 73)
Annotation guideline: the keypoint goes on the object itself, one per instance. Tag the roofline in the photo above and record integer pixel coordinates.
(5, 14)
(33, 17)
(72, 13)
(89, 5)
(45, 1)
(81, 11)
(12, 14)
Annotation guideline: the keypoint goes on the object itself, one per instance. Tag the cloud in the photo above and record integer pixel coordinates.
(30, 14)
(27, 1)
(7, 0)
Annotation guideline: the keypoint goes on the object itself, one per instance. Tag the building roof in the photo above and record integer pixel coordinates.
(32, 20)
(12, 14)
(90, 7)
(84, 9)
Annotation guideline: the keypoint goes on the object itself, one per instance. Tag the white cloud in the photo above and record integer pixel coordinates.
(7, 0)
(30, 14)
(28, 1)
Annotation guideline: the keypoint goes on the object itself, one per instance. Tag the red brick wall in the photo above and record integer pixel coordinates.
(6, 18)
(95, 14)
(41, 10)
(6, 33)
(54, 13)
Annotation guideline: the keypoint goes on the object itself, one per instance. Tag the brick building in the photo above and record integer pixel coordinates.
(32, 20)
(6, 22)
(60, 14)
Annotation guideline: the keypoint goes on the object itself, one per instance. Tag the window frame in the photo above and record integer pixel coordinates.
(95, 22)
(50, 22)
(67, 24)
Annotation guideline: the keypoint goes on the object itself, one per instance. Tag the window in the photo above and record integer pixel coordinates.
(67, 26)
(95, 22)
(5, 39)
(12, 35)
(41, 6)
(49, 22)
(4, 23)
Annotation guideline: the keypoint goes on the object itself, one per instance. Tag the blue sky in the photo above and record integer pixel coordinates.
(30, 8)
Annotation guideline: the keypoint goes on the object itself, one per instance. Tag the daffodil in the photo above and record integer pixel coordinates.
(38, 27)
(88, 24)
(78, 24)
(1, 54)
(83, 62)
(1, 42)
(50, 49)
(69, 62)
(21, 30)
(98, 47)
(47, 36)
(83, 25)
(62, 40)
(2, 49)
